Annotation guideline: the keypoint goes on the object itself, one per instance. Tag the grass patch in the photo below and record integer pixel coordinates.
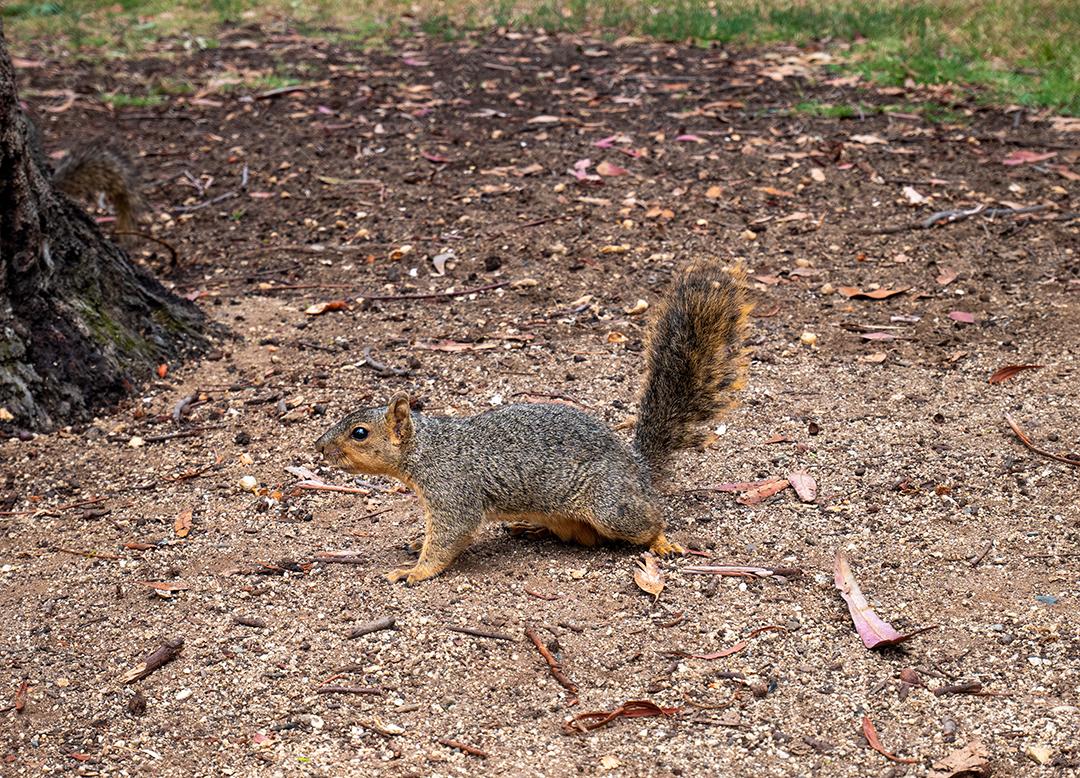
(1018, 51)
(120, 100)
(934, 113)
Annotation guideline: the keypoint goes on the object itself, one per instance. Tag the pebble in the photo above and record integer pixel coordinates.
(183, 694)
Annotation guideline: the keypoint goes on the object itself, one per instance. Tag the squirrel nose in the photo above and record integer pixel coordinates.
(320, 444)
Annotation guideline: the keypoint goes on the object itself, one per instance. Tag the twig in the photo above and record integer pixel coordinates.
(1041, 452)
(174, 259)
(155, 660)
(553, 663)
(471, 750)
(481, 633)
(57, 509)
(541, 595)
(976, 561)
(204, 204)
(249, 621)
(386, 297)
(371, 626)
(380, 368)
(87, 554)
(320, 487)
(952, 217)
(348, 690)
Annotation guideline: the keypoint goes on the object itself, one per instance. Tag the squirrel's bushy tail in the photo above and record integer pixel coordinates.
(95, 167)
(694, 361)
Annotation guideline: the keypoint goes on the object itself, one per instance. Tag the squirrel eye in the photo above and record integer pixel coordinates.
(360, 433)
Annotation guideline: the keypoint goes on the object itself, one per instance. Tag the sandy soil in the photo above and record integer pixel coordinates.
(468, 148)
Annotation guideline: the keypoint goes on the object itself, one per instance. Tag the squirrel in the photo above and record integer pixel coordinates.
(553, 465)
(90, 168)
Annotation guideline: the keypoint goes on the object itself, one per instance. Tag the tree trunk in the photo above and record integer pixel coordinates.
(80, 324)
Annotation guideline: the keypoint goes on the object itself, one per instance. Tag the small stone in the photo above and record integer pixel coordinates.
(808, 339)
(183, 694)
(1039, 754)
(248, 483)
(136, 442)
(63, 683)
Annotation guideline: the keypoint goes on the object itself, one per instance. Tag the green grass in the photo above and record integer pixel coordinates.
(1016, 51)
(119, 100)
(934, 113)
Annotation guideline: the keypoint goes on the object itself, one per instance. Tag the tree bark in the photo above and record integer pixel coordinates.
(80, 324)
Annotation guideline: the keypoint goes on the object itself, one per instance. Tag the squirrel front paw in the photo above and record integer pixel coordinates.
(662, 547)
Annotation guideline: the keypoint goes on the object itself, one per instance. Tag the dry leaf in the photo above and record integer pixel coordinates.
(873, 631)
(606, 168)
(962, 316)
(762, 492)
(817, 174)
(946, 276)
(804, 485)
(610, 762)
(637, 308)
(648, 576)
(632, 709)
(875, 743)
(182, 525)
(544, 120)
(1021, 157)
(771, 190)
(913, 196)
(868, 140)
(877, 336)
(971, 760)
(162, 370)
(1007, 372)
(320, 308)
(616, 337)
(876, 294)
(454, 346)
(714, 192)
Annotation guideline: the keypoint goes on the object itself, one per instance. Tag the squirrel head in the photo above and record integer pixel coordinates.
(370, 440)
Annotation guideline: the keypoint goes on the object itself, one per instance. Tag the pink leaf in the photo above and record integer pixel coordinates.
(1022, 157)
(690, 139)
(606, 168)
(877, 336)
(873, 631)
(804, 484)
(962, 316)
(606, 143)
(436, 158)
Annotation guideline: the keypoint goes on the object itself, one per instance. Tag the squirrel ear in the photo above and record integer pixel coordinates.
(399, 423)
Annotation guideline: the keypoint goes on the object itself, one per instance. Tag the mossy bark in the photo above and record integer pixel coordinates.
(80, 324)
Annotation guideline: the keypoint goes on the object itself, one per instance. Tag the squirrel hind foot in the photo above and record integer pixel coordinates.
(662, 547)
(412, 575)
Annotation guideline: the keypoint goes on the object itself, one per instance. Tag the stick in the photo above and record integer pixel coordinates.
(155, 660)
(387, 297)
(204, 204)
(553, 663)
(319, 487)
(481, 633)
(1041, 452)
(175, 257)
(952, 217)
(348, 690)
(57, 509)
(380, 368)
(371, 626)
(471, 750)
(88, 554)
(977, 560)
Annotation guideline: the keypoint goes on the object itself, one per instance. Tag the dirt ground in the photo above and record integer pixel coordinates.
(468, 149)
